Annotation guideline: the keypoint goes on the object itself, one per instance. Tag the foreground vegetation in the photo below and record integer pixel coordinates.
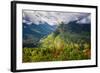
(65, 43)
(59, 48)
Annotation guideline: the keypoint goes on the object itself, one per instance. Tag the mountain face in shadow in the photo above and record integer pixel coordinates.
(75, 27)
(33, 33)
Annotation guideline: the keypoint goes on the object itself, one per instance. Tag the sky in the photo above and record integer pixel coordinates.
(54, 18)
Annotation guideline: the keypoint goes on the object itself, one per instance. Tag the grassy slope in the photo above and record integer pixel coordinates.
(65, 46)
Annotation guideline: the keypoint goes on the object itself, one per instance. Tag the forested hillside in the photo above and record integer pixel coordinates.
(69, 41)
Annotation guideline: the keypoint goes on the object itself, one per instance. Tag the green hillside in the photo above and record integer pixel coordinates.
(61, 45)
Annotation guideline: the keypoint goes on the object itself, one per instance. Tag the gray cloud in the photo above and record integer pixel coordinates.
(53, 18)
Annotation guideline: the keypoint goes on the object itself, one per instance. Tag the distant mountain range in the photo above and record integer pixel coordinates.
(33, 33)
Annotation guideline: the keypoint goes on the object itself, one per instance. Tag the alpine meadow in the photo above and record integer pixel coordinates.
(55, 36)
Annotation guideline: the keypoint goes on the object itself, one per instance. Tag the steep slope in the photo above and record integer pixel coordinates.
(33, 33)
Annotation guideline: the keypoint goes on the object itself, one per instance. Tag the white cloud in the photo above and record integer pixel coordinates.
(53, 18)
(28, 22)
(85, 20)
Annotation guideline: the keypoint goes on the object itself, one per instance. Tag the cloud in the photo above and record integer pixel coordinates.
(85, 20)
(53, 18)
